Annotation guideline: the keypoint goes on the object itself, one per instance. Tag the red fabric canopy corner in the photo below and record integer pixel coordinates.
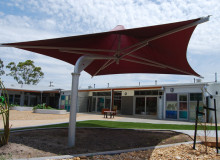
(138, 50)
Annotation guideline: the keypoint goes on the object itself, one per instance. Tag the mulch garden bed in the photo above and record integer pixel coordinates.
(53, 142)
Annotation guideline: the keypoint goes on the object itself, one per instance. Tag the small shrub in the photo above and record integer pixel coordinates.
(42, 106)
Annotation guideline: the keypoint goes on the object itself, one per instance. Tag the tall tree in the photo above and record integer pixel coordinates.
(1, 67)
(25, 72)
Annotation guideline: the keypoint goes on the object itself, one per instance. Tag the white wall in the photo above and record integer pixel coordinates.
(160, 107)
(214, 90)
(127, 93)
(82, 101)
(184, 89)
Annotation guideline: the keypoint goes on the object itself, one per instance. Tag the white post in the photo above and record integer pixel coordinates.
(80, 65)
(72, 118)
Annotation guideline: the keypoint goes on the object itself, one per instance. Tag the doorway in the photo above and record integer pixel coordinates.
(183, 109)
(146, 105)
(151, 106)
(140, 105)
(100, 103)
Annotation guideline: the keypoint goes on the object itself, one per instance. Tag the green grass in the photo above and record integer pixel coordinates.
(128, 125)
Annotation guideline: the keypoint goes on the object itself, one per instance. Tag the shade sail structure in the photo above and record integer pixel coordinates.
(155, 49)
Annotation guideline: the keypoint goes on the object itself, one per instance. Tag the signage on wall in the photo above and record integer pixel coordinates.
(128, 93)
(171, 89)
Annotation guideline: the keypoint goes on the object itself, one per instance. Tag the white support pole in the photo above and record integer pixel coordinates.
(73, 109)
(81, 64)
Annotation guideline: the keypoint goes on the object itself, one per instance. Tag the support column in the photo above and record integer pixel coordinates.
(22, 99)
(112, 100)
(160, 107)
(80, 65)
(73, 110)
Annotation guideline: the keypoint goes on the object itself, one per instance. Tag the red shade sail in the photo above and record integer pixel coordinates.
(155, 49)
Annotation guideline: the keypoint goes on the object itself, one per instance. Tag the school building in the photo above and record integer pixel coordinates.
(170, 101)
(173, 102)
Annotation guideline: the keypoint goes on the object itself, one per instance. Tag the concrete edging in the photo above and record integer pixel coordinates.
(108, 152)
(21, 108)
(49, 111)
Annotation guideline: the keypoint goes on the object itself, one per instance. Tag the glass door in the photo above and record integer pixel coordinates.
(100, 103)
(93, 104)
(171, 105)
(151, 105)
(183, 109)
(107, 102)
(117, 100)
(140, 105)
(33, 100)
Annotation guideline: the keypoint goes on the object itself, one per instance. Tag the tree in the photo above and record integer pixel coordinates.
(4, 114)
(1, 67)
(25, 72)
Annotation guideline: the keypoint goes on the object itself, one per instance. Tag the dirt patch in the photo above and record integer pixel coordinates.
(51, 142)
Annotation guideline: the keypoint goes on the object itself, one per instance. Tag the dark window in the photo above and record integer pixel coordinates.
(107, 102)
(171, 97)
(11, 98)
(94, 104)
(117, 93)
(17, 99)
(195, 96)
(117, 99)
(140, 105)
(26, 100)
(183, 98)
(36, 94)
(101, 93)
(146, 92)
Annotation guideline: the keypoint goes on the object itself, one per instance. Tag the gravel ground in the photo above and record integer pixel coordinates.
(180, 152)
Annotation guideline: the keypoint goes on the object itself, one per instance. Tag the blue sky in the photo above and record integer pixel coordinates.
(23, 20)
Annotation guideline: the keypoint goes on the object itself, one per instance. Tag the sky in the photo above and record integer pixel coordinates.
(23, 20)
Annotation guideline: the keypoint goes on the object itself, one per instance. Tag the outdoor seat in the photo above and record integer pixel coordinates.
(115, 109)
(114, 112)
(105, 109)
